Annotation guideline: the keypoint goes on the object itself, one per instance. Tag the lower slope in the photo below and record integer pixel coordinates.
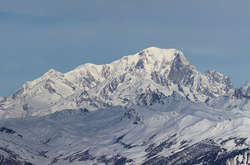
(174, 131)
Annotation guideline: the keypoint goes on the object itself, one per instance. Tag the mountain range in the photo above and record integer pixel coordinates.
(150, 108)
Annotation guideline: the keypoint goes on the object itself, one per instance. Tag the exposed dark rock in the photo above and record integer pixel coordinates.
(83, 97)
(152, 137)
(89, 80)
(133, 115)
(17, 93)
(153, 150)
(202, 152)
(12, 158)
(115, 160)
(181, 71)
(240, 141)
(25, 107)
(206, 92)
(28, 163)
(112, 86)
(160, 79)
(49, 87)
(127, 146)
(9, 161)
(238, 93)
(43, 154)
(140, 64)
(7, 130)
(121, 161)
(227, 140)
(21, 136)
(206, 152)
(224, 158)
(119, 138)
(56, 159)
(150, 98)
(106, 71)
(84, 110)
(80, 156)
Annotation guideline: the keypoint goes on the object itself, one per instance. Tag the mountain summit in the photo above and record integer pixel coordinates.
(140, 79)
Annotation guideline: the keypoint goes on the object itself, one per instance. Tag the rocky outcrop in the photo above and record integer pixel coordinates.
(8, 157)
(240, 94)
(150, 97)
(206, 153)
(241, 157)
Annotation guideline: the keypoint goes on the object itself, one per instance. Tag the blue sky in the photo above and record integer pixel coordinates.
(61, 34)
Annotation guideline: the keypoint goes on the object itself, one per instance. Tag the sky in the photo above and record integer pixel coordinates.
(62, 34)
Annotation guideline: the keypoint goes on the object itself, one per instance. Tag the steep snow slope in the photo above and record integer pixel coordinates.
(38, 96)
(132, 80)
(175, 131)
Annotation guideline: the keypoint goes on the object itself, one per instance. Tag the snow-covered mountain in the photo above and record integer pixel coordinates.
(178, 132)
(132, 80)
(151, 108)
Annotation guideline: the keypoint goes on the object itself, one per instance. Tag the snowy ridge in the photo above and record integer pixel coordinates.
(121, 83)
(240, 100)
(138, 135)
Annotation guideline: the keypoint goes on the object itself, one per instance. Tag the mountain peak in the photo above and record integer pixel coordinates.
(153, 49)
(158, 54)
(51, 72)
(158, 51)
(123, 82)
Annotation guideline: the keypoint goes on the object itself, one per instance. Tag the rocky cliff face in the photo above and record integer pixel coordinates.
(246, 90)
(238, 158)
